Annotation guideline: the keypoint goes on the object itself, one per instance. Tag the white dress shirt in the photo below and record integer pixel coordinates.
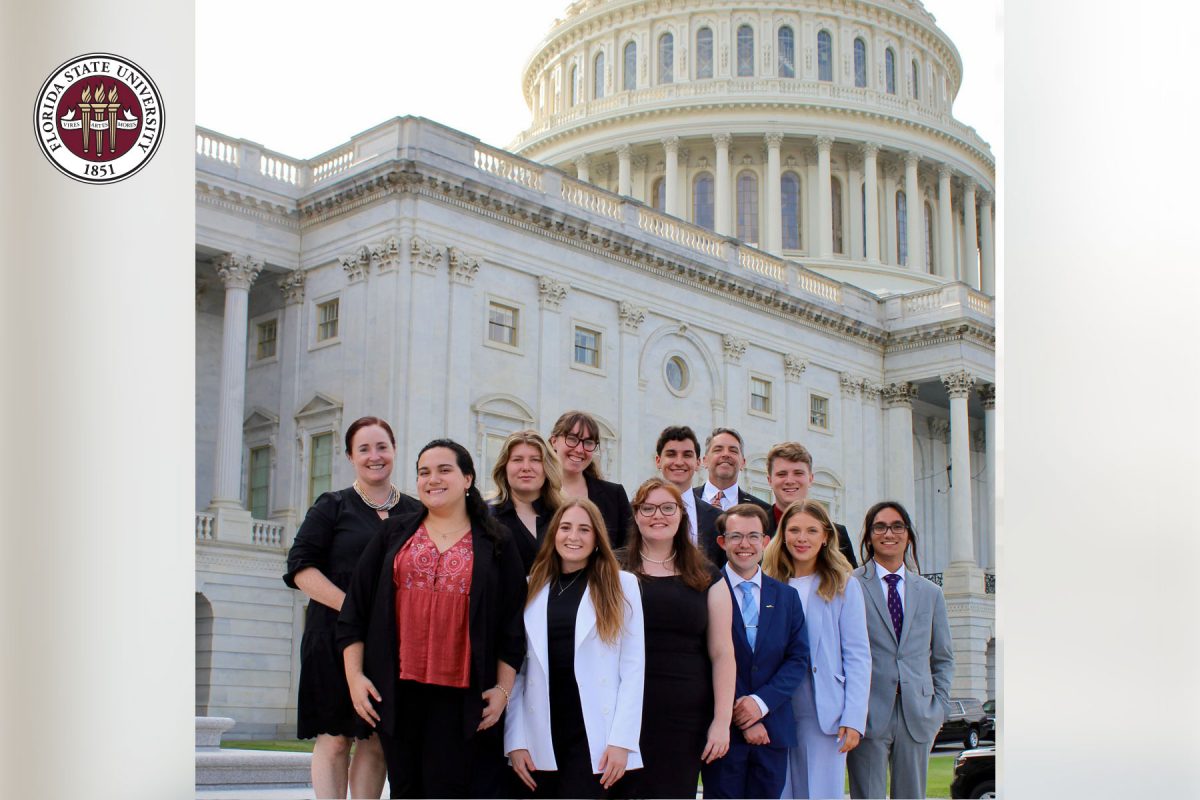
(728, 500)
(880, 571)
(689, 502)
(756, 593)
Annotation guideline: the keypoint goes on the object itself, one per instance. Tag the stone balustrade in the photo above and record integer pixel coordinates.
(262, 533)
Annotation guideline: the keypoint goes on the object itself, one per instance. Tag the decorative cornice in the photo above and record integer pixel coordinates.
(794, 365)
(291, 286)
(356, 265)
(631, 316)
(987, 395)
(551, 293)
(463, 267)
(237, 271)
(959, 384)
(899, 395)
(426, 257)
(733, 348)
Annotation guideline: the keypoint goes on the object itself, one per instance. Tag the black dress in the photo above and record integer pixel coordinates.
(527, 544)
(331, 538)
(677, 706)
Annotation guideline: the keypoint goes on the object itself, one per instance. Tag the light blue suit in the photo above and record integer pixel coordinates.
(834, 693)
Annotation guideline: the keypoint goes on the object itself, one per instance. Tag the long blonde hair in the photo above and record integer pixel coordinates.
(551, 493)
(604, 580)
(832, 566)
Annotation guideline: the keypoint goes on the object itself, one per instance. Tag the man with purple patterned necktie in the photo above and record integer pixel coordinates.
(912, 661)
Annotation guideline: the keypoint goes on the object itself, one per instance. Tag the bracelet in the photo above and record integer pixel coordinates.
(507, 696)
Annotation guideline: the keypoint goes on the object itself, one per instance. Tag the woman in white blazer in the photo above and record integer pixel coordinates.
(830, 705)
(575, 717)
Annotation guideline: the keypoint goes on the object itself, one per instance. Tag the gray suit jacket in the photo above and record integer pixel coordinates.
(920, 665)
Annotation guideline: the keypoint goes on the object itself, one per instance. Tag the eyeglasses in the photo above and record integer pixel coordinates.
(737, 538)
(880, 528)
(668, 509)
(572, 440)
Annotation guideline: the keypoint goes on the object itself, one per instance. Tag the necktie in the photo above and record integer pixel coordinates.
(717, 500)
(893, 604)
(749, 611)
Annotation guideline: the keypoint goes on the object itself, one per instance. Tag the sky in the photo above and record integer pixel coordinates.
(303, 77)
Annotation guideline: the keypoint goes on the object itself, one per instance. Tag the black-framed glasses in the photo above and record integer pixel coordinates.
(574, 441)
(736, 538)
(668, 509)
(880, 528)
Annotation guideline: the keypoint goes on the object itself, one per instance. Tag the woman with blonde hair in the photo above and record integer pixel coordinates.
(575, 717)
(830, 705)
(528, 481)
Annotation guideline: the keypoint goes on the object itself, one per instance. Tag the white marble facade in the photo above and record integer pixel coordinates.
(418, 232)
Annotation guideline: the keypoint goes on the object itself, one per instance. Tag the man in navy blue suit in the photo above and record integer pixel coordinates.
(771, 646)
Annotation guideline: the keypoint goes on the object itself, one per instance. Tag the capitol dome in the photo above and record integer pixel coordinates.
(803, 128)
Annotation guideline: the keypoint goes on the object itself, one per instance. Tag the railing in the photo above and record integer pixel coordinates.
(936, 577)
(989, 583)
(821, 287)
(692, 237)
(206, 528)
(266, 534)
(216, 147)
(980, 302)
(598, 202)
(948, 296)
(280, 168)
(509, 167)
(332, 164)
(920, 302)
(773, 268)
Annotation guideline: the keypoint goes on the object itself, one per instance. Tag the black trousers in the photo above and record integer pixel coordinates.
(429, 755)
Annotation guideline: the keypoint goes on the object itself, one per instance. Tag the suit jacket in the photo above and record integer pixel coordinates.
(776, 665)
(841, 658)
(506, 514)
(495, 626)
(614, 507)
(919, 667)
(611, 679)
(706, 525)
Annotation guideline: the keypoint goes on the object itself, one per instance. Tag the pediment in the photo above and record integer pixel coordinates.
(260, 418)
(320, 404)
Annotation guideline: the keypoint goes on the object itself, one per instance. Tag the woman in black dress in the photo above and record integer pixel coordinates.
(690, 666)
(320, 563)
(576, 439)
(528, 480)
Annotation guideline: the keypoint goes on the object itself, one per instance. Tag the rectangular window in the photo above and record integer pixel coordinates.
(327, 320)
(760, 395)
(587, 347)
(320, 466)
(267, 333)
(818, 411)
(502, 324)
(260, 481)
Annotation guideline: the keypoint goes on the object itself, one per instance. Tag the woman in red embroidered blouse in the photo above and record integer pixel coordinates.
(432, 635)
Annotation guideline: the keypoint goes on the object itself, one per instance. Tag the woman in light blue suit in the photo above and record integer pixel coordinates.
(830, 705)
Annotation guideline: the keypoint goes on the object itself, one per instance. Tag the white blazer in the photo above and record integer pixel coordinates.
(610, 678)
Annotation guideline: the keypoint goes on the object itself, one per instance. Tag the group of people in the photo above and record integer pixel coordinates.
(566, 641)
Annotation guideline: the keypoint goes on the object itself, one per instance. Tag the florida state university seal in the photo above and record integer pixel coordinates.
(99, 118)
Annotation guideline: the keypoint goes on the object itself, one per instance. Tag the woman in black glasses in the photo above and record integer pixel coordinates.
(576, 439)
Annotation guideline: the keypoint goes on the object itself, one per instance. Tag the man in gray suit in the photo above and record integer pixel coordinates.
(912, 661)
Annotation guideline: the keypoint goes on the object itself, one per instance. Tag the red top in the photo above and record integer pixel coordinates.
(778, 512)
(432, 610)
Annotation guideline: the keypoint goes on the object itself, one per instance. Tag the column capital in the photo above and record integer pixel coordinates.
(734, 348)
(985, 198)
(722, 139)
(463, 267)
(624, 150)
(386, 254)
(357, 264)
(870, 391)
(969, 184)
(824, 143)
(582, 162)
(671, 144)
(899, 395)
(291, 286)
(958, 384)
(773, 140)
(987, 395)
(551, 293)
(794, 365)
(912, 158)
(426, 256)
(639, 161)
(869, 149)
(850, 385)
(945, 172)
(631, 316)
(237, 271)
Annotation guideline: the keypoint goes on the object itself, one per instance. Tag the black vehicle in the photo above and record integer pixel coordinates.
(975, 774)
(966, 722)
(989, 708)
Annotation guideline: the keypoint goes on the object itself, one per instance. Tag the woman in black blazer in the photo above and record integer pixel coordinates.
(576, 439)
(404, 627)
(528, 480)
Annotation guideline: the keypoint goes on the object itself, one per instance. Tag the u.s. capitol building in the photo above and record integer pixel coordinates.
(759, 215)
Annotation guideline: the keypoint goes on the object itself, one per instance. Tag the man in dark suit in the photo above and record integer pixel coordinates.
(677, 457)
(724, 458)
(770, 644)
(790, 473)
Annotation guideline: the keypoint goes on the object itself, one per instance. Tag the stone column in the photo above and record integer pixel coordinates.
(723, 191)
(899, 474)
(238, 274)
(945, 261)
(427, 355)
(639, 180)
(962, 537)
(824, 197)
(916, 213)
(287, 500)
(624, 170)
(736, 390)
(582, 168)
(891, 252)
(774, 217)
(811, 236)
(352, 330)
(852, 443)
(629, 391)
(671, 178)
(872, 440)
(987, 394)
(870, 151)
(987, 253)
(853, 227)
(459, 382)
(794, 365)
(551, 294)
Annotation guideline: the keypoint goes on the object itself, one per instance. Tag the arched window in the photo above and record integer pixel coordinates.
(901, 229)
(658, 197)
(629, 72)
(666, 58)
(704, 53)
(928, 238)
(824, 56)
(747, 207)
(916, 80)
(860, 63)
(598, 77)
(835, 189)
(574, 84)
(889, 70)
(787, 53)
(789, 190)
(702, 200)
(745, 51)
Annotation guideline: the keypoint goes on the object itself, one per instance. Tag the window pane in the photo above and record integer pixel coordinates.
(901, 229)
(747, 207)
(629, 73)
(835, 189)
(824, 56)
(916, 80)
(658, 197)
(677, 375)
(327, 320)
(889, 67)
(818, 415)
(760, 395)
(502, 324)
(598, 77)
(745, 51)
(260, 477)
(704, 53)
(789, 186)
(666, 58)
(267, 333)
(320, 466)
(860, 63)
(787, 53)
(587, 347)
(702, 201)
